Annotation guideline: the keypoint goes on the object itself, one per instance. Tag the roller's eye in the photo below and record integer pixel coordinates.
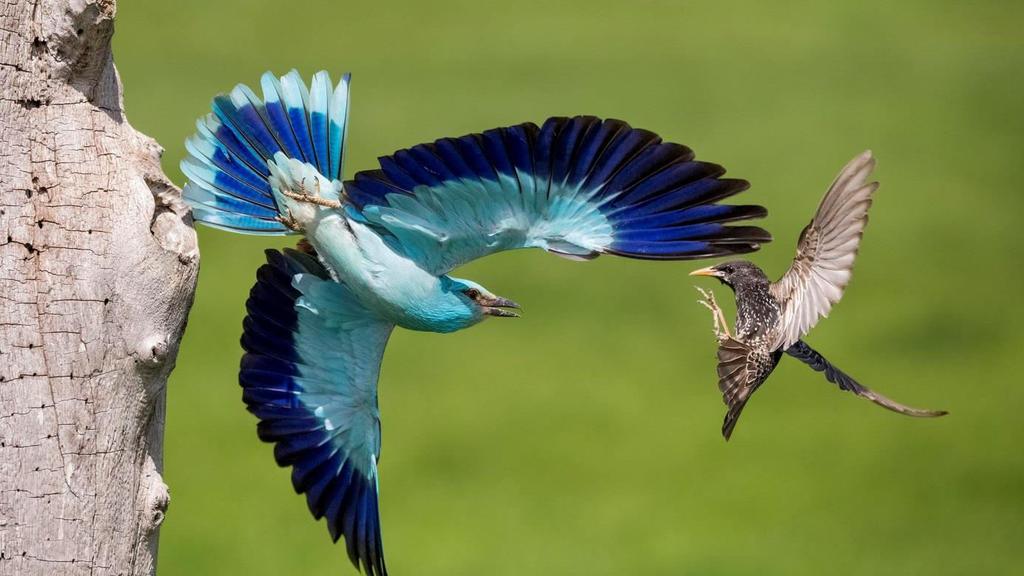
(473, 293)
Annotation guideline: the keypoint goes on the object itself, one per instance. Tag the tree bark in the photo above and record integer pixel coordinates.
(98, 266)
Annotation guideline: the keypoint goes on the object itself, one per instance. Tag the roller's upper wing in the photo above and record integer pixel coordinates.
(826, 251)
(310, 374)
(578, 187)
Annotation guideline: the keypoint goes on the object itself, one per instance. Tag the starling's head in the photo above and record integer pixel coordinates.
(734, 273)
(465, 303)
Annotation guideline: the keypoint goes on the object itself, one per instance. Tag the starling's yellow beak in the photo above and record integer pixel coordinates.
(709, 271)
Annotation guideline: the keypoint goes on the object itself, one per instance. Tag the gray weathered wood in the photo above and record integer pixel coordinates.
(98, 264)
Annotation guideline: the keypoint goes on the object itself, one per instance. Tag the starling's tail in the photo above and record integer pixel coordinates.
(733, 381)
(732, 416)
(741, 371)
(801, 351)
(246, 150)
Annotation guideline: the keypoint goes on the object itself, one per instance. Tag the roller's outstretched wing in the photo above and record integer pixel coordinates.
(578, 187)
(826, 251)
(310, 375)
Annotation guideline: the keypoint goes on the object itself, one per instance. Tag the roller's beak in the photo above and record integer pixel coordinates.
(709, 271)
(496, 307)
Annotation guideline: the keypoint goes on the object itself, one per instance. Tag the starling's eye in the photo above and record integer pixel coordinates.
(473, 293)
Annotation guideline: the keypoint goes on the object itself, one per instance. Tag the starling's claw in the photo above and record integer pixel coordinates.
(721, 328)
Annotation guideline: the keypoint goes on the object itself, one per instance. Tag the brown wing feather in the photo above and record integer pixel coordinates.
(825, 253)
(741, 370)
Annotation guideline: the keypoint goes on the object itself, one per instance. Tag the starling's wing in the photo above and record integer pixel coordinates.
(741, 371)
(826, 251)
(801, 351)
(578, 187)
(310, 375)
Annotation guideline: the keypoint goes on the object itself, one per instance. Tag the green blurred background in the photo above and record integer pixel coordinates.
(584, 438)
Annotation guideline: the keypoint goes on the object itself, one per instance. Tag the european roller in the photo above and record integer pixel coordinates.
(379, 248)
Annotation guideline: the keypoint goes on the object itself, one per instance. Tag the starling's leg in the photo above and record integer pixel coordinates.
(705, 302)
(721, 326)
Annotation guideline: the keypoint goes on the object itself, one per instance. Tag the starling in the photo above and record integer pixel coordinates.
(773, 317)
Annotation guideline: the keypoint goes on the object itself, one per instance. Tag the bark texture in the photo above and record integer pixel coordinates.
(98, 265)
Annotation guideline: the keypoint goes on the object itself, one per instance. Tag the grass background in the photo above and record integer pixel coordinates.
(583, 439)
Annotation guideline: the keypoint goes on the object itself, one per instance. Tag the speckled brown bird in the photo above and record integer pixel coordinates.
(773, 317)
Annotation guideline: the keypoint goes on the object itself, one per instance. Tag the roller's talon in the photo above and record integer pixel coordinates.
(290, 222)
(310, 199)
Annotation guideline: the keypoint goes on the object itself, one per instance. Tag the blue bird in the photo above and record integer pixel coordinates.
(378, 250)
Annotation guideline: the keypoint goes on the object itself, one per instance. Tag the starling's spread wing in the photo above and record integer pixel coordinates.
(741, 371)
(578, 187)
(801, 351)
(824, 256)
(310, 375)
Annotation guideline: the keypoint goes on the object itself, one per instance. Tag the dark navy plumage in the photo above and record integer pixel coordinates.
(378, 251)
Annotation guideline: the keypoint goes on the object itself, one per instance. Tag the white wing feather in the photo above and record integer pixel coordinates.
(826, 251)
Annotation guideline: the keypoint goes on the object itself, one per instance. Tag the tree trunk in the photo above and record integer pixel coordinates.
(98, 265)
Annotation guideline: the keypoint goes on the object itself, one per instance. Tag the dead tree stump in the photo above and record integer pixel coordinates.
(98, 266)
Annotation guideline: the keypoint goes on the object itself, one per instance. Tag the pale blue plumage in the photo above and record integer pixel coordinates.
(296, 98)
(440, 227)
(338, 125)
(382, 244)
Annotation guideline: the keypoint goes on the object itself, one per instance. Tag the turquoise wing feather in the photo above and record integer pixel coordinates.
(578, 187)
(309, 374)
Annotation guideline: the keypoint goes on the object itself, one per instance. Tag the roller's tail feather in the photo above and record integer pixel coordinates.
(801, 351)
(245, 148)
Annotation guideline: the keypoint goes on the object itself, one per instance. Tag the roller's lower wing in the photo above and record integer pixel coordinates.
(578, 187)
(310, 375)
